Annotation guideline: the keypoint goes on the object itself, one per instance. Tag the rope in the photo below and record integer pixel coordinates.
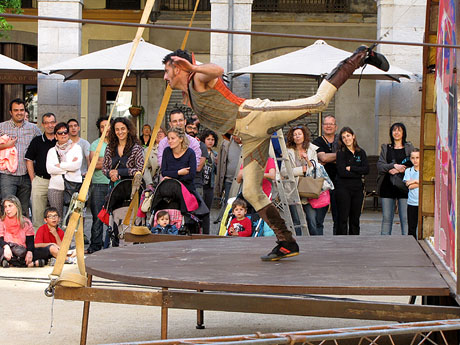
(76, 218)
(237, 32)
(139, 230)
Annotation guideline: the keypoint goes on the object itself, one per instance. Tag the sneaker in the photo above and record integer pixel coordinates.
(282, 250)
(52, 261)
(375, 59)
(5, 263)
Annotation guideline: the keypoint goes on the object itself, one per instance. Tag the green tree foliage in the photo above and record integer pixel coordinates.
(13, 6)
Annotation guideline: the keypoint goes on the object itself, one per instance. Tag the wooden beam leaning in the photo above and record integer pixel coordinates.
(282, 305)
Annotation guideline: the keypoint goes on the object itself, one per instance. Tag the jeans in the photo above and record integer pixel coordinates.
(19, 186)
(334, 212)
(388, 211)
(208, 196)
(97, 200)
(314, 216)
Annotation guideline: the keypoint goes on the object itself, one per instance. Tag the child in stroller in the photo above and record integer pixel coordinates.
(163, 225)
(240, 225)
(170, 194)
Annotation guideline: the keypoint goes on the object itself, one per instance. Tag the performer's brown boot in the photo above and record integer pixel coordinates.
(363, 55)
(287, 246)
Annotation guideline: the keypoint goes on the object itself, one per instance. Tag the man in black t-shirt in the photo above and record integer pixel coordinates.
(327, 148)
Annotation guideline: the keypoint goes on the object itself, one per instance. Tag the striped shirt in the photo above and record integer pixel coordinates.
(24, 135)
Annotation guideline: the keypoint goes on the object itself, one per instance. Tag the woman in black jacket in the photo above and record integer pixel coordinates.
(351, 166)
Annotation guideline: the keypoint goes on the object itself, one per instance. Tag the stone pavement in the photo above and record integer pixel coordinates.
(27, 312)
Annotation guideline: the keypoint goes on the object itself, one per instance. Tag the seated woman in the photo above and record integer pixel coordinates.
(179, 161)
(63, 161)
(16, 236)
(124, 155)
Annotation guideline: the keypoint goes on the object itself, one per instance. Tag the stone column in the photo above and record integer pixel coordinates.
(397, 20)
(232, 51)
(57, 42)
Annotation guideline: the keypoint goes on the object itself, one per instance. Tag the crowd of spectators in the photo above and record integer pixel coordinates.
(52, 163)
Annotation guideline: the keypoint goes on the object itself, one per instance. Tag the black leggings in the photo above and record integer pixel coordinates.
(349, 203)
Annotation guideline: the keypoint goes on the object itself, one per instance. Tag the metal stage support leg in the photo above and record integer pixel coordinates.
(85, 318)
(200, 317)
(164, 315)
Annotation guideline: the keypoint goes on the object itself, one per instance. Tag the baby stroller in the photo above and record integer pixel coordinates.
(259, 227)
(170, 194)
(117, 206)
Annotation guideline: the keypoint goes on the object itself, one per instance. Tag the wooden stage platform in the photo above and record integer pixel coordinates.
(344, 265)
(226, 274)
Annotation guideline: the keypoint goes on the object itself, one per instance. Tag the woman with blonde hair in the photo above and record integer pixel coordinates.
(16, 236)
(179, 161)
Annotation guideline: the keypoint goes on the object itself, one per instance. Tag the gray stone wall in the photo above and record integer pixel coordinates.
(58, 41)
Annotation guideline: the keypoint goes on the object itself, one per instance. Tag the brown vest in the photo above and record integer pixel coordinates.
(217, 108)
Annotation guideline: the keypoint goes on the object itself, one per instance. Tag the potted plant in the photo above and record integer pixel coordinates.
(136, 110)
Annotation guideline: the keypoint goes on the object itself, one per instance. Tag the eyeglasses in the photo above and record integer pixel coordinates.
(53, 216)
(62, 133)
(328, 124)
(297, 127)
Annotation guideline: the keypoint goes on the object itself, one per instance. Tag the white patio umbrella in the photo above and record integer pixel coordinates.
(111, 63)
(316, 61)
(10, 65)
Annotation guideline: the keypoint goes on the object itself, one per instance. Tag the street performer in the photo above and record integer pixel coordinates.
(254, 121)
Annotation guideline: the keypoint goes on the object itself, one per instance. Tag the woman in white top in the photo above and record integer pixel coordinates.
(303, 158)
(63, 161)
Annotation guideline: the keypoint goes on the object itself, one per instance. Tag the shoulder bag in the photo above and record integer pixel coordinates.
(310, 186)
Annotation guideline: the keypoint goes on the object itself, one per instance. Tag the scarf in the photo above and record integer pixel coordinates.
(62, 150)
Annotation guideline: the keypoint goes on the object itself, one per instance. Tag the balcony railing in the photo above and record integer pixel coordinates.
(301, 6)
(297, 6)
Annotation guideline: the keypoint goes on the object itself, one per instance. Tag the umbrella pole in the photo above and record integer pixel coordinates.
(140, 118)
(320, 114)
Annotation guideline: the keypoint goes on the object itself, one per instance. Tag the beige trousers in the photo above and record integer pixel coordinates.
(39, 197)
(259, 119)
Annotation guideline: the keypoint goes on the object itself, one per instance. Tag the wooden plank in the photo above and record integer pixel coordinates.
(387, 265)
(281, 305)
(152, 238)
(89, 294)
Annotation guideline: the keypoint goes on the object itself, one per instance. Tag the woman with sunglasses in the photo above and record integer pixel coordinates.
(62, 162)
(303, 158)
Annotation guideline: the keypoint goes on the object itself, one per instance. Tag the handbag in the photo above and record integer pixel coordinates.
(323, 200)
(70, 188)
(310, 186)
(104, 215)
(397, 181)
